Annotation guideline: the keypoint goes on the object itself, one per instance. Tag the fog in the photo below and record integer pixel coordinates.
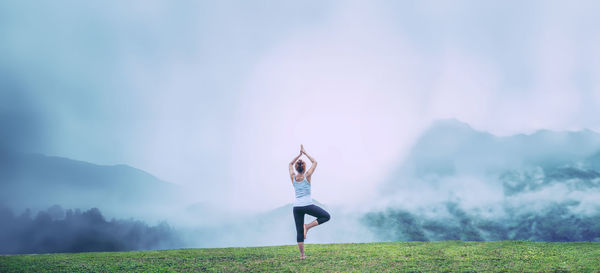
(218, 96)
(57, 230)
(457, 183)
(189, 112)
(463, 184)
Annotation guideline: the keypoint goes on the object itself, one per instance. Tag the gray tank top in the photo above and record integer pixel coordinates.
(302, 190)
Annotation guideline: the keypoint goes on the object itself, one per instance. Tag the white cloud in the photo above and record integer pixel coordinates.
(350, 95)
(356, 84)
(358, 91)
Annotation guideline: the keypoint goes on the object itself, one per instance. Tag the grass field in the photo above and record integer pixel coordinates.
(369, 257)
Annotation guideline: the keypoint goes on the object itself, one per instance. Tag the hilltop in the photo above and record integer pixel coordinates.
(455, 256)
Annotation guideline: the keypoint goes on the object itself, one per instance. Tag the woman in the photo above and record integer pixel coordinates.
(303, 202)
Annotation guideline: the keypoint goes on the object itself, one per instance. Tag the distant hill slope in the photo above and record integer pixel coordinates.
(38, 181)
(451, 148)
(458, 183)
(227, 228)
(272, 227)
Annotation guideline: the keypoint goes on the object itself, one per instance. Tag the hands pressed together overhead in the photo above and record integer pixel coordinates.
(302, 151)
(312, 160)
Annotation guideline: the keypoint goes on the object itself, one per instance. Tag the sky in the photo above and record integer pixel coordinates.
(218, 96)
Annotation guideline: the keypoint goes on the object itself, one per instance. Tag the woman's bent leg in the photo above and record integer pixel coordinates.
(316, 211)
(321, 214)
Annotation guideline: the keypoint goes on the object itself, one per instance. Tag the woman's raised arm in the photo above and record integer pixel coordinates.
(312, 161)
(292, 166)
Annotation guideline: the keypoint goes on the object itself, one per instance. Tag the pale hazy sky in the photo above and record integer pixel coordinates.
(218, 95)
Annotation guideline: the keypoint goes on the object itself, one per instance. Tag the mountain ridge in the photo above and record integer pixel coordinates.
(34, 180)
(456, 141)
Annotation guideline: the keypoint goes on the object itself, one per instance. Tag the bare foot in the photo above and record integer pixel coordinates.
(302, 257)
(305, 230)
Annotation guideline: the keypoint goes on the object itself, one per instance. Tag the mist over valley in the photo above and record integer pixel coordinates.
(457, 183)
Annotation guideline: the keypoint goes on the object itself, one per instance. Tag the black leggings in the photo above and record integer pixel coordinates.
(313, 210)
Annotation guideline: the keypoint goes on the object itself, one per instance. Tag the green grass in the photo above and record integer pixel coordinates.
(370, 257)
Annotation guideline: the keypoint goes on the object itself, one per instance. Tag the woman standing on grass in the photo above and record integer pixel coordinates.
(303, 202)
